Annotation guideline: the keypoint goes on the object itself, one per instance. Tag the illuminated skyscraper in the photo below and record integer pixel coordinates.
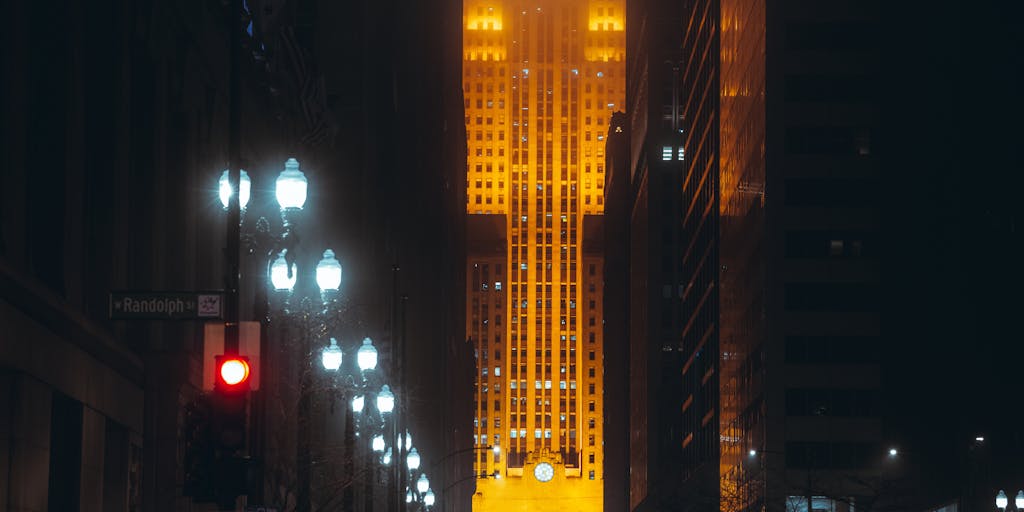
(540, 82)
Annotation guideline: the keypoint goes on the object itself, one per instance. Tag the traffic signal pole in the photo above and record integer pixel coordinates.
(233, 235)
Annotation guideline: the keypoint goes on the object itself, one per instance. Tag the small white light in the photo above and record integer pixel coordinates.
(1019, 500)
(428, 498)
(408, 496)
(245, 187)
(385, 400)
(753, 452)
(980, 439)
(422, 485)
(366, 357)
(279, 274)
(1001, 500)
(291, 186)
(893, 452)
(496, 449)
(358, 402)
(331, 356)
(378, 443)
(328, 272)
(413, 459)
(386, 459)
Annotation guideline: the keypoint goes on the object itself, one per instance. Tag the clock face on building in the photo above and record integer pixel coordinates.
(544, 472)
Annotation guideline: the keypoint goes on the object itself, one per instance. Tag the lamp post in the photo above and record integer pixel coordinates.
(235, 188)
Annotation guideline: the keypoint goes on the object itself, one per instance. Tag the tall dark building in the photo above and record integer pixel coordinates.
(755, 283)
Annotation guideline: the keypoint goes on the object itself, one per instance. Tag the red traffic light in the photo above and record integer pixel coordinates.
(232, 373)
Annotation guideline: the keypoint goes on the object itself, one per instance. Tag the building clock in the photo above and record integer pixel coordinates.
(544, 472)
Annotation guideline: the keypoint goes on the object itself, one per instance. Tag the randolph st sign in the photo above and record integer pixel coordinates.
(166, 305)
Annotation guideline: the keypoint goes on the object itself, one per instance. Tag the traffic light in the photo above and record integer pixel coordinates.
(230, 390)
(232, 376)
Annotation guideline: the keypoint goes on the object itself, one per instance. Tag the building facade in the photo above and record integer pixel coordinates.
(753, 227)
(540, 83)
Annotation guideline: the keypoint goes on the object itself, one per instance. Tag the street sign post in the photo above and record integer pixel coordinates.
(166, 305)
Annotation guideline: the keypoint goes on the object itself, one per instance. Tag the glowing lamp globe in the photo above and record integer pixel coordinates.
(328, 272)
(423, 485)
(366, 356)
(428, 498)
(385, 400)
(1001, 500)
(378, 443)
(234, 371)
(358, 402)
(279, 274)
(413, 459)
(386, 459)
(245, 186)
(1019, 500)
(408, 440)
(408, 496)
(496, 449)
(291, 186)
(331, 356)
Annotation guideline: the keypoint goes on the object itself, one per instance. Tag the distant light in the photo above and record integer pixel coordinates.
(291, 186)
(358, 402)
(600, 74)
(385, 400)
(753, 452)
(1001, 500)
(496, 450)
(386, 459)
(279, 273)
(378, 443)
(331, 356)
(1019, 500)
(980, 439)
(366, 356)
(328, 272)
(244, 189)
(575, 71)
(893, 452)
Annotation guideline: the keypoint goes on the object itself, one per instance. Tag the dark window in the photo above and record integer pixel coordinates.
(828, 140)
(831, 36)
(830, 88)
(833, 349)
(829, 244)
(831, 192)
(832, 297)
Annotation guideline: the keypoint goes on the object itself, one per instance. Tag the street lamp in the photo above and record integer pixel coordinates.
(282, 276)
(331, 356)
(385, 400)
(413, 460)
(328, 273)
(366, 356)
(226, 190)
(1001, 500)
(428, 498)
(291, 186)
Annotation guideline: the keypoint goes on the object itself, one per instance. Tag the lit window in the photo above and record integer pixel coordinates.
(537, 384)
(497, 371)
(547, 384)
(682, 154)
(561, 384)
(497, 285)
(547, 433)
(600, 74)
(513, 434)
(666, 153)
(536, 433)
(591, 474)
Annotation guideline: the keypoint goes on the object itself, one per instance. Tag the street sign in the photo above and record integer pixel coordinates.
(166, 305)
